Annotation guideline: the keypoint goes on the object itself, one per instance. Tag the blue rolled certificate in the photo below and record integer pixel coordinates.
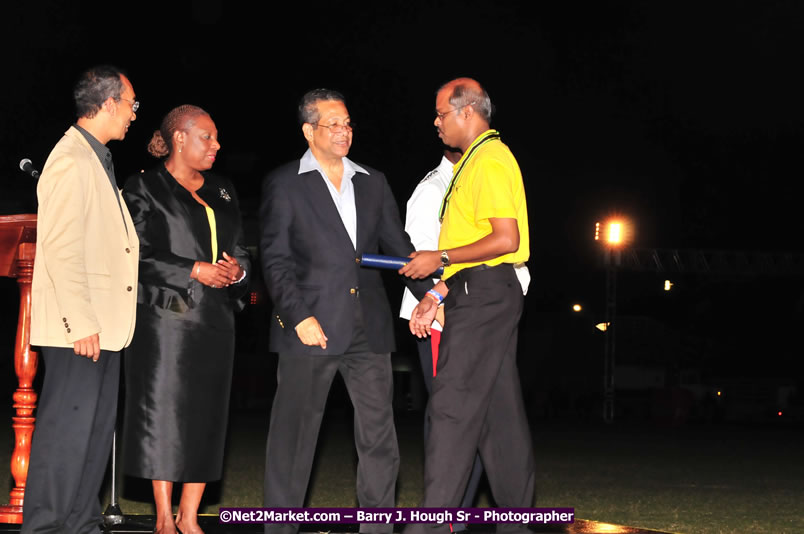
(389, 262)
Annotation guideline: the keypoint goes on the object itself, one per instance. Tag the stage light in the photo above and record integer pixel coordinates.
(577, 307)
(718, 394)
(602, 326)
(668, 285)
(615, 232)
(614, 236)
(779, 413)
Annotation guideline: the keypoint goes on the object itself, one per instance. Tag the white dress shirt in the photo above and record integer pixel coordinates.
(345, 198)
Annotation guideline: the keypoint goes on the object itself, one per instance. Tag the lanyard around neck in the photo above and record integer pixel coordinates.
(480, 141)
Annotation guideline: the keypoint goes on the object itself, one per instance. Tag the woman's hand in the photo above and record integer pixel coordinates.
(211, 274)
(232, 267)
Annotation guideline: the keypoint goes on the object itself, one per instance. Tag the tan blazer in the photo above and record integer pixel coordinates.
(85, 271)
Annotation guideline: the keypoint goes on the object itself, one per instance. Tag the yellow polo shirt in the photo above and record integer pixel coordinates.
(489, 186)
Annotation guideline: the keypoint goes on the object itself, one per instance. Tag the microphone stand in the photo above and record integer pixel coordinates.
(113, 515)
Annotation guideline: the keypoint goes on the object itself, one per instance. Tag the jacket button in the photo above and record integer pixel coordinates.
(128, 288)
(66, 325)
(352, 291)
(357, 260)
(128, 251)
(68, 330)
(64, 319)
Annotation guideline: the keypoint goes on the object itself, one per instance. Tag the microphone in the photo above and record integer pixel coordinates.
(26, 166)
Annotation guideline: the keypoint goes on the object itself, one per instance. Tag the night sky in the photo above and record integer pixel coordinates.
(687, 117)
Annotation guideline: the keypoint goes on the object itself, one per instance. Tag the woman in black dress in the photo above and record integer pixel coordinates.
(193, 270)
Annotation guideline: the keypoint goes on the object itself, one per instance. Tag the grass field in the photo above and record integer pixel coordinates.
(708, 479)
(689, 479)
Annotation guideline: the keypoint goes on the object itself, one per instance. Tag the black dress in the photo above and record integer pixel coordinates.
(178, 368)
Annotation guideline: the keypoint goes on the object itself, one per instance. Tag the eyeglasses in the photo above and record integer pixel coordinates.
(135, 105)
(441, 115)
(444, 114)
(338, 128)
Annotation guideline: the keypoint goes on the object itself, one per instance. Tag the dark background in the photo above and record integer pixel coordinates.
(686, 117)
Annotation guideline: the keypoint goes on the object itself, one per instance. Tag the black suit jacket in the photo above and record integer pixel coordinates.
(312, 269)
(174, 233)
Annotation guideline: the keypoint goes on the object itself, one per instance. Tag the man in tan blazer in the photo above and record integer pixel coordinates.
(84, 295)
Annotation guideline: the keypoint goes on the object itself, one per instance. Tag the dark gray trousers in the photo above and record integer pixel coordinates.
(303, 384)
(476, 402)
(71, 443)
(426, 359)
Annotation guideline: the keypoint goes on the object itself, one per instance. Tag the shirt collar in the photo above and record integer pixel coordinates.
(445, 166)
(102, 151)
(480, 139)
(309, 163)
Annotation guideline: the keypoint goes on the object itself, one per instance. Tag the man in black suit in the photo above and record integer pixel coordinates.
(318, 215)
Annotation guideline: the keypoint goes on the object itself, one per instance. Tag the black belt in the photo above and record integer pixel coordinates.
(460, 275)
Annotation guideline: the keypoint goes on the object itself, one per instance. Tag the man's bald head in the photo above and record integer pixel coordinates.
(469, 92)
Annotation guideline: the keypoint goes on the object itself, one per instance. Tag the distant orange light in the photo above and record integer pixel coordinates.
(614, 232)
(718, 394)
(577, 307)
(614, 236)
(609, 528)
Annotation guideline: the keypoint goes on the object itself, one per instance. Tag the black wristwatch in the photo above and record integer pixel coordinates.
(444, 258)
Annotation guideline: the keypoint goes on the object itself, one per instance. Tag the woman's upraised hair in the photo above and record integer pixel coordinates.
(179, 118)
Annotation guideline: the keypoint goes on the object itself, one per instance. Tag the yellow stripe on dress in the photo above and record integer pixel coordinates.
(213, 231)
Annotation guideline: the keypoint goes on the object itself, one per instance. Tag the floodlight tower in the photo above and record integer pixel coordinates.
(613, 235)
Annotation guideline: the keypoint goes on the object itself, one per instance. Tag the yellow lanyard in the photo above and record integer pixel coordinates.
(481, 140)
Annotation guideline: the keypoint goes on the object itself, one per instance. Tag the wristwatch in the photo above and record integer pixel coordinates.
(444, 258)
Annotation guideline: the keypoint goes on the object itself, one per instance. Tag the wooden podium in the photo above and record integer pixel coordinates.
(17, 250)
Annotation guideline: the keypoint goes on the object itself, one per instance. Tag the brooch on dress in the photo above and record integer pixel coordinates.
(225, 194)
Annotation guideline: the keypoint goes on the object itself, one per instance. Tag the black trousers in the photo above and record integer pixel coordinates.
(425, 348)
(303, 384)
(476, 402)
(71, 443)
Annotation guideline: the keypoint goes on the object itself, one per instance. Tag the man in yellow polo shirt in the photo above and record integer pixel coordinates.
(476, 391)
